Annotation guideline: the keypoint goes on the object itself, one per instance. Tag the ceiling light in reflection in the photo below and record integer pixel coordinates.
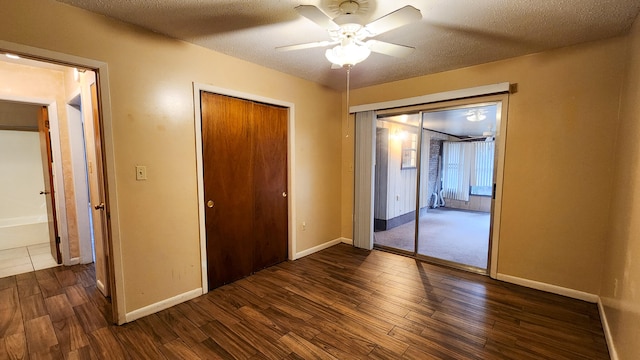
(476, 114)
(399, 135)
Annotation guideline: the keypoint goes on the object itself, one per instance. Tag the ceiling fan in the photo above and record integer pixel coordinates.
(347, 32)
(488, 135)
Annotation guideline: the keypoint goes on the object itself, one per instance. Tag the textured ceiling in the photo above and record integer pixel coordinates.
(451, 34)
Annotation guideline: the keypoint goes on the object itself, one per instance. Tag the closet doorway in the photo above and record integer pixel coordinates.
(244, 160)
(435, 176)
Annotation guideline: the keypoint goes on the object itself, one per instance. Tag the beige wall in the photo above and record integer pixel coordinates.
(150, 78)
(621, 279)
(559, 152)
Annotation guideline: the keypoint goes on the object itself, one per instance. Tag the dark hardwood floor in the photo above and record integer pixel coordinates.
(340, 303)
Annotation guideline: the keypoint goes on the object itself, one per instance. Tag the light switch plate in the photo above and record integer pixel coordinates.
(141, 172)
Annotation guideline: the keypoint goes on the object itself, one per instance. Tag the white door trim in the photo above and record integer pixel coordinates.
(197, 88)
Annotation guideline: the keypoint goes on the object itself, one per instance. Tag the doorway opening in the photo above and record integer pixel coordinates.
(68, 101)
(27, 237)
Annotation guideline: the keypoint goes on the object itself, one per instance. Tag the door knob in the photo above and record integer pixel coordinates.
(284, 194)
(45, 192)
(210, 204)
(99, 206)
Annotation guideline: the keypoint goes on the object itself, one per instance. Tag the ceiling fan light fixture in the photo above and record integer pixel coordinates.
(349, 54)
(474, 118)
(474, 115)
(349, 7)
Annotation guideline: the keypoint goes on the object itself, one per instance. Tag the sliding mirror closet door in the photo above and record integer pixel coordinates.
(396, 179)
(456, 184)
(438, 181)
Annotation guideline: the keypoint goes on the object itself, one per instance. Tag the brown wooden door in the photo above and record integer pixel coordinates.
(270, 185)
(47, 165)
(226, 140)
(98, 202)
(245, 182)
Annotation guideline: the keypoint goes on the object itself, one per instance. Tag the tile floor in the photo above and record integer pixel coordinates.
(25, 259)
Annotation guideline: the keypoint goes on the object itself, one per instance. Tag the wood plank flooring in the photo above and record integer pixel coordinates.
(340, 303)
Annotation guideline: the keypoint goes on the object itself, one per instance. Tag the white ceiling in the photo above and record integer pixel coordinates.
(452, 33)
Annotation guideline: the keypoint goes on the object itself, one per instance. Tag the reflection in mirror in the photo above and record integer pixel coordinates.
(444, 182)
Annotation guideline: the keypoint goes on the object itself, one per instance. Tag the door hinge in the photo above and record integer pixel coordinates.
(58, 240)
(494, 192)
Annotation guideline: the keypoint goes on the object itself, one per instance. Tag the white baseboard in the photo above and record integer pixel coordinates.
(73, 261)
(554, 289)
(607, 331)
(317, 248)
(101, 286)
(580, 295)
(347, 241)
(161, 305)
(164, 304)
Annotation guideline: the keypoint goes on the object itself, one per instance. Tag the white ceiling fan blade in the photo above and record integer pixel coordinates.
(306, 45)
(393, 20)
(390, 49)
(317, 16)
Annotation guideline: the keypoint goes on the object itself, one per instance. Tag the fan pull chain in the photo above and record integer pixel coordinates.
(348, 77)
